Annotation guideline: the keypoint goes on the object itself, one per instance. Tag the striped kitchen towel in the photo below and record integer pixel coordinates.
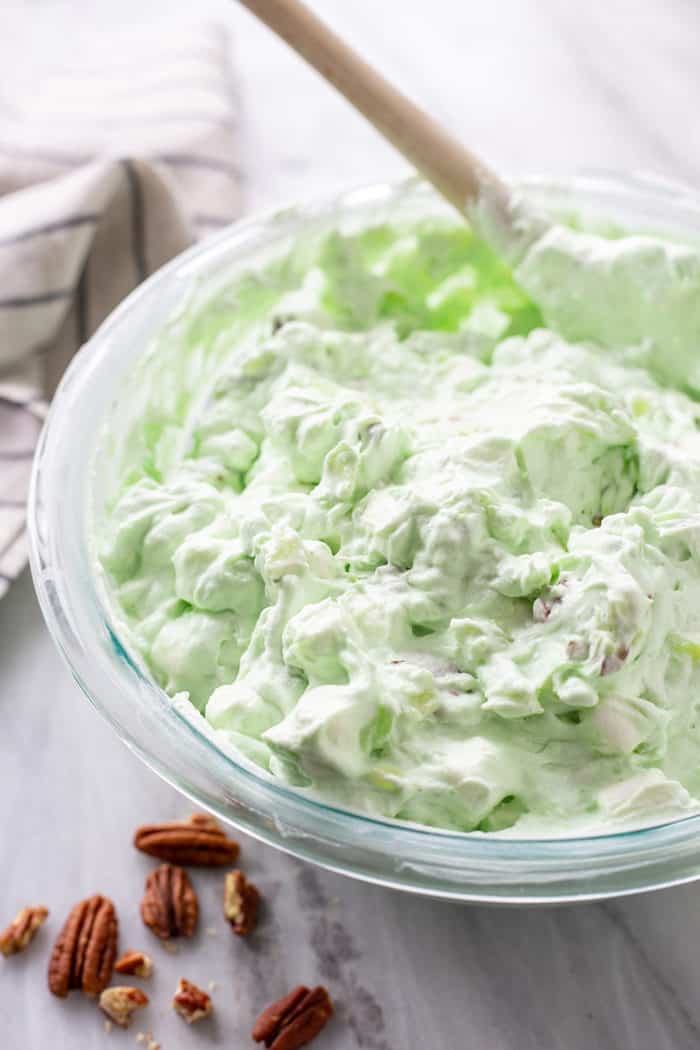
(117, 150)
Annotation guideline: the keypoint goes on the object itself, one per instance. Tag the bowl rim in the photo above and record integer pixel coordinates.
(621, 848)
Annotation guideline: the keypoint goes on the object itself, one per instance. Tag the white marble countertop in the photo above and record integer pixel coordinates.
(532, 85)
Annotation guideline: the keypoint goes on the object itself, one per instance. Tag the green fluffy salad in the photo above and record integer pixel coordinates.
(419, 535)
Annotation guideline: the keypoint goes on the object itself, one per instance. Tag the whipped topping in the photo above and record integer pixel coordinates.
(422, 538)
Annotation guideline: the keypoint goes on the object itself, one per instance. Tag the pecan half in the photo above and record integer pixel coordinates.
(241, 900)
(199, 842)
(295, 1020)
(135, 964)
(21, 930)
(121, 1002)
(190, 1002)
(83, 955)
(169, 906)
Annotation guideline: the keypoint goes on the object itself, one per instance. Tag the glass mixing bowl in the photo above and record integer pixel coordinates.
(67, 472)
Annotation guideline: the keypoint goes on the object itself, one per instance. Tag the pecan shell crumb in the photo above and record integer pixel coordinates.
(198, 842)
(146, 1039)
(190, 1002)
(21, 930)
(169, 906)
(84, 952)
(294, 1020)
(121, 1002)
(135, 964)
(241, 901)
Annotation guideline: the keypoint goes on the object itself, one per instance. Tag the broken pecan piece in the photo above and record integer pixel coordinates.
(294, 1020)
(241, 900)
(83, 955)
(135, 964)
(199, 842)
(204, 820)
(614, 661)
(120, 1002)
(190, 1002)
(169, 906)
(21, 930)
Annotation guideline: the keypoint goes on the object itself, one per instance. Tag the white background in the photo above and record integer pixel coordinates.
(546, 85)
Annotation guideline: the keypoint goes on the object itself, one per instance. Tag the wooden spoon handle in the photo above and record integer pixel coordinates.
(452, 169)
